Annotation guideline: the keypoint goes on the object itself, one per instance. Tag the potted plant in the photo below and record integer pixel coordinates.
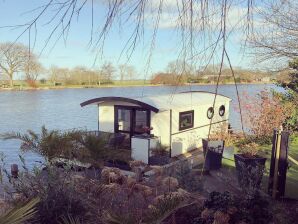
(213, 148)
(146, 130)
(249, 166)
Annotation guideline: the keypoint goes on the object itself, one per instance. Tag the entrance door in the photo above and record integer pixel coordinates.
(131, 120)
(141, 122)
(123, 119)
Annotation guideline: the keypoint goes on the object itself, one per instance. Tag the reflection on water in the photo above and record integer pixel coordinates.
(60, 109)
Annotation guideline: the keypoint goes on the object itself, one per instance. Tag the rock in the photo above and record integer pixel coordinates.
(146, 191)
(18, 197)
(130, 182)
(172, 195)
(206, 213)
(221, 218)
(112, 175)
(157, 170)
(183, 193)
(112, 187)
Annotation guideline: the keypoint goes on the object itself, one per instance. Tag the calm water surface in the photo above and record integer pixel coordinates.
(60, 109)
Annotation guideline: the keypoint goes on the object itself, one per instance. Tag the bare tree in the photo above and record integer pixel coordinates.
(276, 34)
(57, 74)
(180, 67)
(79, 75)
(32, 69)
(127, 72)
(107, 72)
(13, 58)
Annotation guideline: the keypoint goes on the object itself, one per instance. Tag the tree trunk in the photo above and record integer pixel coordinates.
(11, 81)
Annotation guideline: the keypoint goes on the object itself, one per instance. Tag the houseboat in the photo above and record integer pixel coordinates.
(177, 121)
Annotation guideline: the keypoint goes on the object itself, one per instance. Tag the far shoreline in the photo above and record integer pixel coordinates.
(26, 88)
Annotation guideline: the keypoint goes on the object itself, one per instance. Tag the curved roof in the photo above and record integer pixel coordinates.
(121, 99)
(165, 102)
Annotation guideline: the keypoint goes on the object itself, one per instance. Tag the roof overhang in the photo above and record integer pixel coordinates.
(120, 99)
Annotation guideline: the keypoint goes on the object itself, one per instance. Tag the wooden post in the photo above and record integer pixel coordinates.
(279, 164)
(14, 169)
(275, 176)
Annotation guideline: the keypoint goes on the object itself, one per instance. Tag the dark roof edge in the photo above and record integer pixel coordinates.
(122, 99)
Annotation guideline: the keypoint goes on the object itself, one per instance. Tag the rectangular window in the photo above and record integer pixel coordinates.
(186, 120)
(124, 116)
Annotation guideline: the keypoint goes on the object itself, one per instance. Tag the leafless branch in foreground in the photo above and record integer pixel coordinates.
(276, 35)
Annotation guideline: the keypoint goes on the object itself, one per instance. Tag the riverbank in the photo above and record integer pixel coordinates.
(118, 85)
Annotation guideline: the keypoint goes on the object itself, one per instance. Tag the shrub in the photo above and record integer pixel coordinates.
(225, 208)
(56, 191)
(290, 98)
(74, 144)
(263, 113)
(49, 144)
(247, 146)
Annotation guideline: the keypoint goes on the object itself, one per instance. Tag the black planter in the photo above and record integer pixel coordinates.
(213, 151)
(249, 171)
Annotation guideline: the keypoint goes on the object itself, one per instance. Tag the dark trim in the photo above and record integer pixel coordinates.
(210, 108)
(197, 91)
(222, 107)
(198, 127)
(170, 133)
(148, 150)
(122, 99)
(97, 119)
(183, 113)
(132, 110)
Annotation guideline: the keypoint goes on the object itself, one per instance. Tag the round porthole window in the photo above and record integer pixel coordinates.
(222, 110)
(210, 112)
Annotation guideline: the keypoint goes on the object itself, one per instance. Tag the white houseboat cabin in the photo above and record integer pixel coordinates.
(179, 121)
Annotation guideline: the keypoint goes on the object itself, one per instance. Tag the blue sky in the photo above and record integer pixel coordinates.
(75, 51)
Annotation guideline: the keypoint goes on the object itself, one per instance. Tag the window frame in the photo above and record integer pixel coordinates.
(191, 112)
(224, 110)
(210, 108)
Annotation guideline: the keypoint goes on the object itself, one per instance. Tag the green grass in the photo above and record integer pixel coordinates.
(292, 174)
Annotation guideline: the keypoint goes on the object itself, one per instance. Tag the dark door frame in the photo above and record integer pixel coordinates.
(132, 110)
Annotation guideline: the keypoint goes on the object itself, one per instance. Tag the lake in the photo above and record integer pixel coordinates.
(60, 109)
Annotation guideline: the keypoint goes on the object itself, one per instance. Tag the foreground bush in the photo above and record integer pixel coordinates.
(224, 208)
(263, 113)
(73, 145)
(56, 192)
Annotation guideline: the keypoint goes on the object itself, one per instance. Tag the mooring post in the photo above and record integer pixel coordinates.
(14, 169)
(279, 164)
(275, 175)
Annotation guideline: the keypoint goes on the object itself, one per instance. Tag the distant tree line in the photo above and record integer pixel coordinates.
(81, 75)
(178, 72)
(17, 58)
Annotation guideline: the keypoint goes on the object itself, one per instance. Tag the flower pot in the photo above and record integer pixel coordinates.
(213, 150)
(249, 171)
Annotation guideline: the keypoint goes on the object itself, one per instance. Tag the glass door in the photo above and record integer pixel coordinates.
(141, 121)
(132, 120)
(123, 119)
